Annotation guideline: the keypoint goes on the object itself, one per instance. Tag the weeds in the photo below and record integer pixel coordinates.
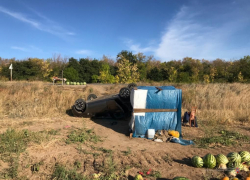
(167, 159)
(77, 164)
(82, 135)
(109, 151)
(226, 138)
(61, 173)
(13, 143)
(35, 167)
(128, 152)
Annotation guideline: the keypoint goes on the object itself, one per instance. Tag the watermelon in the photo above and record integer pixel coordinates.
(197, 161)
(221, 159)
(245, 156)
(238, 165)
(230, 165)
(234, 157)
(180, 178)
(234, 165)
(209, 161)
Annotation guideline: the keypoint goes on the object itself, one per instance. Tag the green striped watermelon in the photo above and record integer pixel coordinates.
(245, 156)
(238, 165)
(234, 165)
(221, 159)
(209, 161)
(234, 157)
(197, 161)
(230, 165)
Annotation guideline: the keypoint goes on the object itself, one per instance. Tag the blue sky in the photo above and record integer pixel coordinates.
(167, 29)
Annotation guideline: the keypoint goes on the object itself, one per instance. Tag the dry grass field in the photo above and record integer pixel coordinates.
(41, 140)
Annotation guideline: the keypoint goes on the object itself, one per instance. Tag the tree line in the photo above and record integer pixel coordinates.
(126, 68)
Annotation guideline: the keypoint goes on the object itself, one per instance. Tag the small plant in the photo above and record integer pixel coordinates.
(128, 152)
(91, 90)
(35, 167)
(77, 164)
(167, 159)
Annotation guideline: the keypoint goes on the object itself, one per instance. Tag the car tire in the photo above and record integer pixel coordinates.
(80, 105)
(132, 85)
(91, 97)
(75, 112)
(124, 93)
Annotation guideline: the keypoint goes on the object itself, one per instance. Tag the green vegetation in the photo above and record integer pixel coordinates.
(13, 143)
(128, 67)
(82, 135)
(60, 172)
(225, 138)
(128, 152)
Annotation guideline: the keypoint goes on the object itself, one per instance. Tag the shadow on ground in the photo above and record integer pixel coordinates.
(185, 161)
(120, 126)
(69, 112)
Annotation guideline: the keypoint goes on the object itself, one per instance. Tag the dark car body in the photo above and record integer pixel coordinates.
(117, 106)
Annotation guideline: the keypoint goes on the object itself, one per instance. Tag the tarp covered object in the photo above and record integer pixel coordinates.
(149, 97)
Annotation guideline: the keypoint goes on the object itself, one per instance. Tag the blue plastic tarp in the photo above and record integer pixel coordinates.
(167, 98)
(149, 97)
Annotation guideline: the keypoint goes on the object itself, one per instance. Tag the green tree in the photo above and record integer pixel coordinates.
(127, 71)
(127, 55)
(105, 76)
(155, 74)
(71, 74)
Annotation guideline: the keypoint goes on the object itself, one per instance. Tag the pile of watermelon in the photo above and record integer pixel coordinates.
(233, 162)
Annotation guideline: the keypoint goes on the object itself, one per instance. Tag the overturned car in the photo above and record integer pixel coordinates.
(117, 106)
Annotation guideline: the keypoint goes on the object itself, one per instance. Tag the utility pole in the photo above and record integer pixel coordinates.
(11, 72)
(62, 77)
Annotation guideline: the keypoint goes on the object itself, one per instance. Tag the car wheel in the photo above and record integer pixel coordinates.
(124, 93)
(75, 112)
(91, 97)
(80, 105)
(132, 85)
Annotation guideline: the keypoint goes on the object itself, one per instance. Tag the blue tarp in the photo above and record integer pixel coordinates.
(167, 98)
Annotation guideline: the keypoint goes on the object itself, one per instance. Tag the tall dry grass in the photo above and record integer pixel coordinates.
(36, 99)
(217, 103)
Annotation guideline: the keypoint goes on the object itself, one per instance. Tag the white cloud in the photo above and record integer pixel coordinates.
(27, 48)
(19, 48)
(136, 48)
(71, 33)
(201, 31)
(84, 52)
(43, 24)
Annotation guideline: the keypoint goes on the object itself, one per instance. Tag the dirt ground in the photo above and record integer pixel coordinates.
(136, 154)
(170, 159)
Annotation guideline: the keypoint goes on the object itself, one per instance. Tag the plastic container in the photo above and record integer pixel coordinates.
(151, 133)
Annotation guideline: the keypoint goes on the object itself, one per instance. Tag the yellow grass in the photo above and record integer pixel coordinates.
(218, 103)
